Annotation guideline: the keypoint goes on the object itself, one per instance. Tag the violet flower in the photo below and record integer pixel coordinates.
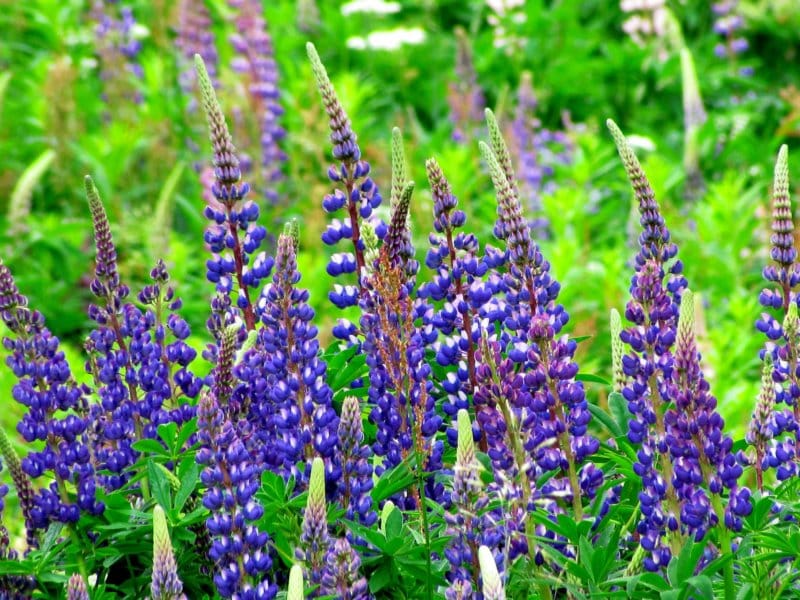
(358, 194)
(76, 588)
(55, 404)
(546, 369)
(22, 483)
(341, 578)
(728, 24)
(353, 457)
(538, 151)
(314, 539)
(400, 389)
(653, 310)
(467, 519)
(704, 466)
(233, 236)
(255, 59)
(194, 35)
(142, 377)
(285, 379)
(464, 94)
(118, 48)
(458, 282)
(239, 550)
(782, 331)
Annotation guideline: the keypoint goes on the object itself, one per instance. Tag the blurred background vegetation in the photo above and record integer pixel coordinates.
(67, 109)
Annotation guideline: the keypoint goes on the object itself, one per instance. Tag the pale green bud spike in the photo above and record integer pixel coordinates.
(371, 246)
(204, 81)
(781, 186)
(465, 454)
(489, 157)
(387, 510)
(320, 74)
(617, 350)
(686, 319)
(316, 485)
(399, 171)
(92, 195)
(295, 590)
(408, 190)
(292, 229)
(500, 149)
(791, 324)
(249, 342)
(492, 584)
(161, 541)
(172, 479)
(626, 153)
(694, 115)
(19, 203)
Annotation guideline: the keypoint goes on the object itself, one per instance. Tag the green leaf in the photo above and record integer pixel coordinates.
(392, 481)
(189, 477)
(159, 486)
(167, 432)
(394, 524)
(592, 378)
(702, 584)
(149, 446)
(188, 430)
(605, 420)
(619, 410)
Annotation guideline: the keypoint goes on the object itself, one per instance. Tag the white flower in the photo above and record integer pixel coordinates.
(388, 40)
(378, 7)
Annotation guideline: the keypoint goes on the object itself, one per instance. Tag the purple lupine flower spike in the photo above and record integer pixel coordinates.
(341, 578)
(296, 420)
(653, 310)
(76, 588)
(782, 330)
(359, 195)
(255, 59)
(140, 374)
(54, 403)
(466, 523)
(194, 35)
(239, 550)
(464, 95)
(537, 319)
(538, 151)
(233, 236)
(699, 450)
(458, 282)
(118, 49)
(761, 429)
(728, 24)
(314, 539)
(353, 457)
(166, 584)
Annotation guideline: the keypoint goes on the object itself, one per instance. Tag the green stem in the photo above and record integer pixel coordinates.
(423, 511)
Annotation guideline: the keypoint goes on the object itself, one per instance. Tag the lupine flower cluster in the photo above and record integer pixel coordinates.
(277, 480)
(728, 24)
(194, 36)
(118, 47)
(538, 151)
(255, 62)
(775, 428)
(684, 459)
(464, 95)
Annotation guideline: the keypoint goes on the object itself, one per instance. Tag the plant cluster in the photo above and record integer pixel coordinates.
(445, 445)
